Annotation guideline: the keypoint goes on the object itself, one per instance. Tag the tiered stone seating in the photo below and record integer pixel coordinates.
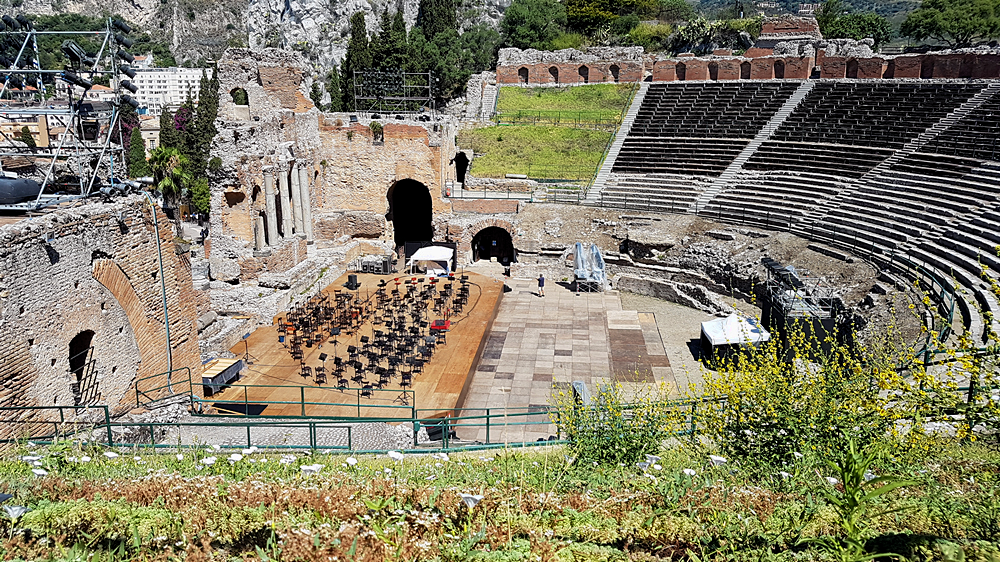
(652, 192)
(811, 157)
(697, 129)
(877, 114)
(977, 135)
(774, 200)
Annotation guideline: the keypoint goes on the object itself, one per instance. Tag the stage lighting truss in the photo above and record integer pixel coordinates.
(83, 131)
(394, 91)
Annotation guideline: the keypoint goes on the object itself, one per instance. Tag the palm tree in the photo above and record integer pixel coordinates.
(171, 173)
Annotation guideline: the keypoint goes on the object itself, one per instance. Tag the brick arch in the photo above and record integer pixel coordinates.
(473, 229)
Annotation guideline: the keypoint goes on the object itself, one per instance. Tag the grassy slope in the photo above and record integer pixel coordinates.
(534, 506)
(548, 152)
(599, 99)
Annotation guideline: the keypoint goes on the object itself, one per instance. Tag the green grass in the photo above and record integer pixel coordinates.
(539, 152)
(536, 505)
(597, 97)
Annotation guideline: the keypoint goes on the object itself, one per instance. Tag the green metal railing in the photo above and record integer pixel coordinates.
(406, 399)
(598, 120)
(150, 394)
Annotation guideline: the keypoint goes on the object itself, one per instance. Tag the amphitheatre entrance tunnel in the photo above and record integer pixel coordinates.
(410, 210)
(493, 242)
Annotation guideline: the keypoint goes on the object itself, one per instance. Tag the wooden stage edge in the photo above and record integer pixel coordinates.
(273, 384)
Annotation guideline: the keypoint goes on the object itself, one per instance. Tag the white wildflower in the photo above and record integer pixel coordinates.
(470, 500)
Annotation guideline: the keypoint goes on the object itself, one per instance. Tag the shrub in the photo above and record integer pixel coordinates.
(568, 41)
(615, 427)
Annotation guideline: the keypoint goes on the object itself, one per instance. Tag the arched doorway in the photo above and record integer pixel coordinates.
(410, 210)
(585, 74)
(779, 69)
(493, 242)
(81, 368)
(461, 166)
(681, 70)
(713, 71)
(744, 70)
(852, 68)
(522, 75)
(554, 73)
(614, 70)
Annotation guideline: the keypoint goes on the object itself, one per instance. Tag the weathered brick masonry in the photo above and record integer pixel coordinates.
(92, 268)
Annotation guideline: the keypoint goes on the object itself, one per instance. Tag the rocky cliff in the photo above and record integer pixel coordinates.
(203, 29)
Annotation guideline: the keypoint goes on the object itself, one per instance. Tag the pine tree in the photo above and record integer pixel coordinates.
(204, 130)
(333, 88)
(27, 138)
(316, 95)
(137, 164)
(358, 57)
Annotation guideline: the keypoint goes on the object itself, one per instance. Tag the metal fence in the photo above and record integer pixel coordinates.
(597, 120)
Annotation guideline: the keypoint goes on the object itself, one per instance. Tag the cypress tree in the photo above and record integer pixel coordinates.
(435, 16)
(137, 164)
(381, 41)
(396, 49)
(204, 130)
(333, 87)
(357, 59)
(169, 137)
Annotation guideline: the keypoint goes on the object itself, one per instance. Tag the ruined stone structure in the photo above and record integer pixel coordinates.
(531, 67)
(297, 177)
(82, 309)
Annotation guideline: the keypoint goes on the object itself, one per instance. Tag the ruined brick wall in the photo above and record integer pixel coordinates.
(93, 268)
(345, 168)
(688, 68)
(570, 74)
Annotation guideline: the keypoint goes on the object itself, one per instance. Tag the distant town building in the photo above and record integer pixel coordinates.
(149, 127)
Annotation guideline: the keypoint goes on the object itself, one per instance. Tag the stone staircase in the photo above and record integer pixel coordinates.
(734, 169)
(594, 193)
(883, 170)
(927, 136)
(486, 110)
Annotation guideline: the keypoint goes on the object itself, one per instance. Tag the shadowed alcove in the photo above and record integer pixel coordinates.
(410, 211)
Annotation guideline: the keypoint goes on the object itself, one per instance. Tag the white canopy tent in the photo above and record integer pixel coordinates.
(733, 330)
(436, 259)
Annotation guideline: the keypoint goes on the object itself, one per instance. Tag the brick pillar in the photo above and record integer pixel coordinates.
(306, 203)
(269, 207)
(297, 201)
(286, 207)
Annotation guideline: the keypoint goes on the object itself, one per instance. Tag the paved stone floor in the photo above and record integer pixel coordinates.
(560, 338)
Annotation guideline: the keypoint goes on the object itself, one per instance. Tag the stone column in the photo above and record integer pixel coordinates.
(286, 207)
(307, 214)
(297, 201)
(258, 233)
(269, 207)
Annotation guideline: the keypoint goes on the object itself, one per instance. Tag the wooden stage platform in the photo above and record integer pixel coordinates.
(273, 384)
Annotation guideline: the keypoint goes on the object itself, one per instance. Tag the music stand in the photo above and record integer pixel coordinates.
(402, 399)
(247, 358)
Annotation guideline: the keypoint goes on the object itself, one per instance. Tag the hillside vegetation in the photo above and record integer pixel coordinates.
(537, 151)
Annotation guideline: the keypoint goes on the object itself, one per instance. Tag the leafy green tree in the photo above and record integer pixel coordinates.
(137, 164)
(479, 47)
(204, 131)
(828, 14)
(861, 26)
(201, 195)
(380, 41)
(957, 23)
(357, 59)
(533, 24)
(171, 174)
(333, 88)
(437, 16)
(672, 11)
(27, 138)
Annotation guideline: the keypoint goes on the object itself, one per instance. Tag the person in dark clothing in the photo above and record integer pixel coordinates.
(541, 285)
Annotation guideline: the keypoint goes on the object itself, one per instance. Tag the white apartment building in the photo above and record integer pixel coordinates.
(166, 87)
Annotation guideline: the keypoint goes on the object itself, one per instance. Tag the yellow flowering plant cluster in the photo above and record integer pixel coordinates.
(622, 423)
(800, 393)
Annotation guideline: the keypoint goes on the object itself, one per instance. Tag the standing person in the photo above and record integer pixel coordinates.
(541, 284)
